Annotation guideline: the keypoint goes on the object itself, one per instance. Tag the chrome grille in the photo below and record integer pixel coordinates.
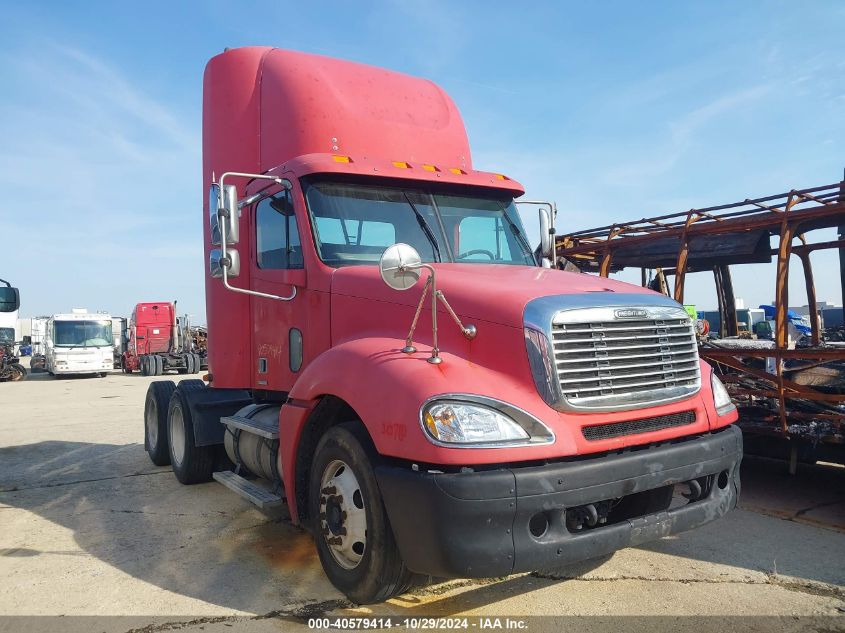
(610, 363)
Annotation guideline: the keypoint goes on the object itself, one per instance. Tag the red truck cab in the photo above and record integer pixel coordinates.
(157, 342)
(544, 417)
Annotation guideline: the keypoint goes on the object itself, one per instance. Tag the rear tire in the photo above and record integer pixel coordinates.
(191, 464)
(195, 363)
(155, 421)
(159, 363)
(366, 568)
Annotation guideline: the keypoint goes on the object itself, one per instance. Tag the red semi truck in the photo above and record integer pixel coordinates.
(390, 358)
(158, 341)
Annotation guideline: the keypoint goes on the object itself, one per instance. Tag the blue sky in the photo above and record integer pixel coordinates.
(616, 110)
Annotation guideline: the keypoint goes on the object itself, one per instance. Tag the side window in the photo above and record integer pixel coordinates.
(484, 234)
(277, 236)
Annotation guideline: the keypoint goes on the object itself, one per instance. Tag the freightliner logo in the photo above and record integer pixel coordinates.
(630, 313)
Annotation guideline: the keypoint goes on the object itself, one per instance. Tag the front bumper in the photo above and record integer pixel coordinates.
(476, 524)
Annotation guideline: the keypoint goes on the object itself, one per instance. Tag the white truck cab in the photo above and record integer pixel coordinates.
(79, 342)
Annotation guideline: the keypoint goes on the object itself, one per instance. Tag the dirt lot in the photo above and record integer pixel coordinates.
(88, 526)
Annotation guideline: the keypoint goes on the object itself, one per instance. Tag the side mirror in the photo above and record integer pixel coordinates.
(223, 206)
(10, 299)
(216, 263)
(399, 266)
(546, 245)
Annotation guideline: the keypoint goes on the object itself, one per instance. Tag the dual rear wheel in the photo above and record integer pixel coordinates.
(152, 365)
(169, 431)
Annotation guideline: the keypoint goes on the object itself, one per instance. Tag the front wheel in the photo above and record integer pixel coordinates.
(17, 372)
(351, 529)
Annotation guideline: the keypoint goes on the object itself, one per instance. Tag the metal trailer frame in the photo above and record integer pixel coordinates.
(714, 238)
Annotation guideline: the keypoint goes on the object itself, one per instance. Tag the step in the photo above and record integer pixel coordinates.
(261, 497)
(270, 430)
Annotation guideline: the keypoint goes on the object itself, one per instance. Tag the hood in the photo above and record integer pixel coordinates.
(481, 292)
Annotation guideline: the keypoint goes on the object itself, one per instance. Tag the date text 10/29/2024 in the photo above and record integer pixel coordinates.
(418, 623)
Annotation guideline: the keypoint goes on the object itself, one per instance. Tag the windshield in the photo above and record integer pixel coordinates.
(354, 223)
(82, 333)
(7, 335)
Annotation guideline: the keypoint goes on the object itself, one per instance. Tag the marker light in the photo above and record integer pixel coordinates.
(342, 159)
(401, 164)
(457, 171)
(430, 167)
(721, 397)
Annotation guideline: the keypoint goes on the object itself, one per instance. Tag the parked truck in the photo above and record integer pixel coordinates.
(79, 343)
(9, 304)
(159, 341)
(390, 358)
(10, 367)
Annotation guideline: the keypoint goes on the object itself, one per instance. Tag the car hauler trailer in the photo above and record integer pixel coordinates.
(79, 343)
(787, 380)
(159, 341)
(497, 416)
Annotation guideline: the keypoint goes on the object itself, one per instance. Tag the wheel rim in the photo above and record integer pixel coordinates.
(343, 519)
(177, 436)
(151, 422)
(17, 374)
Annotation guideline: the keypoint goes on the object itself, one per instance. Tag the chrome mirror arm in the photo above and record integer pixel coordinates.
(409, 342)
(224, 256)
(469, 330)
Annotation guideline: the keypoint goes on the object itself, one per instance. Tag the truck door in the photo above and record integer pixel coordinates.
(277, 266)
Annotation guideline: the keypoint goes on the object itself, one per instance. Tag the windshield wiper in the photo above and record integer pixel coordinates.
(517, 233)
(424, 226)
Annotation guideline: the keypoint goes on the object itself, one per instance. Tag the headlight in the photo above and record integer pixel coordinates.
(721, 397)
(481, 422)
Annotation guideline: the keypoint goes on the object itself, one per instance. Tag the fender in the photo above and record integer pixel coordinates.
(386, 389)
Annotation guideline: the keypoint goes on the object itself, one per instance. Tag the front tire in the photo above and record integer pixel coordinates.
(351, 529)
(191, 464)
(17, 372)
(155, 421)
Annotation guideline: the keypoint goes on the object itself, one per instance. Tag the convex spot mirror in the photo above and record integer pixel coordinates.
(10, 299)
(228, 204)
(216, 263)
(399, 266)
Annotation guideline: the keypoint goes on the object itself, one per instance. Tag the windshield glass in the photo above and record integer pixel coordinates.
(82, 333)
(7, 335)
(354, 223)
